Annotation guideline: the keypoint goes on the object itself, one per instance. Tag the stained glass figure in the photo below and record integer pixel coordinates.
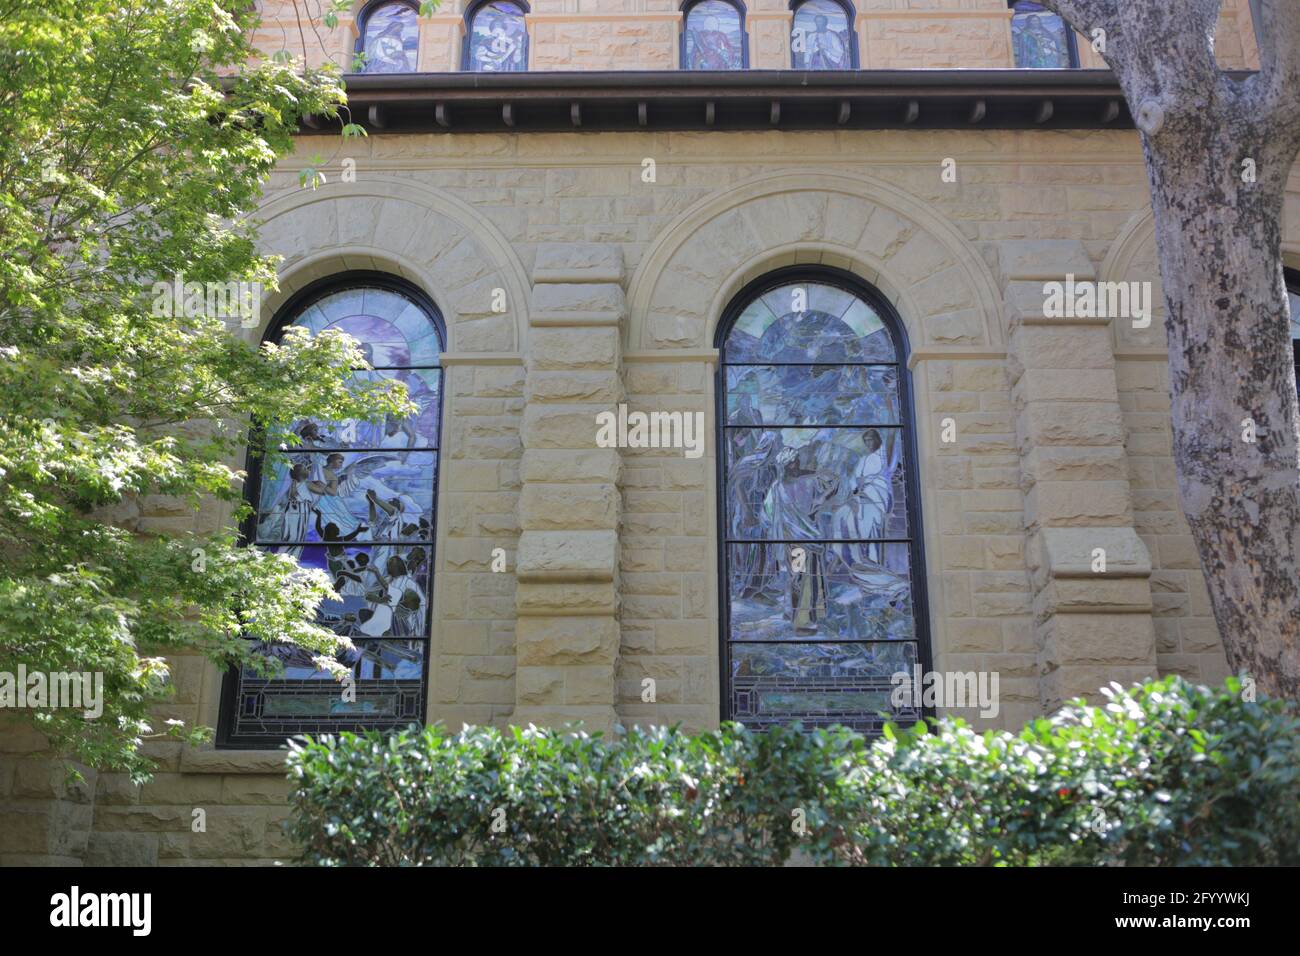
(1041, 39)
(713, 38)
(355, 501)
(497, 39)
(821, 37)
(819, 551)
(390, 39)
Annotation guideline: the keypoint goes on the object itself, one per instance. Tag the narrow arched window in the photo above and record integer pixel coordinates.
(822, 36)
(713, 36)
(1040, 38)
(355, 500)
(496, 37)
(823, 598)
(388, 37)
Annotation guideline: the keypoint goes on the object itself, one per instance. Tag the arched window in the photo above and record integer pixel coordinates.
(389, 37)
(823, 597)
(356, 500)
(1041, 39)
(822, 36)
(496, 37)
(713, 36)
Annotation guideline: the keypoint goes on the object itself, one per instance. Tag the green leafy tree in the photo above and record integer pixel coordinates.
(138, 134)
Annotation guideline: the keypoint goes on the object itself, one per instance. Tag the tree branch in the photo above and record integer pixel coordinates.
(1279, 59)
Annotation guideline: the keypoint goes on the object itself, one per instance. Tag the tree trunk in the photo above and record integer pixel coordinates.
(1236, 423)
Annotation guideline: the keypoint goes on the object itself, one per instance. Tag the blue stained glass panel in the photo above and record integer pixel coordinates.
(820, 38)
(423, 387)
(1041, 39)
(808, 483)
(348, 496)
(383, 589)
(809, 322)
(812, 394)
(392, 39)
(713, 37)
(498, 39)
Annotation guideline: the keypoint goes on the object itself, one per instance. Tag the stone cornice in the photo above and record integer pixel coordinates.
(546, 101)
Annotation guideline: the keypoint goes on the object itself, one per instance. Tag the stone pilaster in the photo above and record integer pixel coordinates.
(1092, 620)
(569, 505)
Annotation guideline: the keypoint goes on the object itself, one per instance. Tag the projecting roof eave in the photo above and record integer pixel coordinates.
(739, 100)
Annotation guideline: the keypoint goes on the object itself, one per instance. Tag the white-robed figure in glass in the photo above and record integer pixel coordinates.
(871, 498)
(290, 518)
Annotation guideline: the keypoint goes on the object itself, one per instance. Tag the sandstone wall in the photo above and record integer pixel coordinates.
(645, 34)
(614, 287)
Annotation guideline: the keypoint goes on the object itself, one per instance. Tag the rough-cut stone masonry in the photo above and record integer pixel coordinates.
(614, 286)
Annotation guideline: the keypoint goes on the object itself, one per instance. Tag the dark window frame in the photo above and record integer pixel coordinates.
(686, 9)
(1071, 38)
(284, 317)
(363, 21)
(873, 297)
(471, 12)
(851, 20)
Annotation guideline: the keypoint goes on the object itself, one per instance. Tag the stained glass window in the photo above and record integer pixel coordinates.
(1041, 39)
(496, 38)
(390, 38)
(354, 499)
(714, 37)
(819, 560)
(821, 37)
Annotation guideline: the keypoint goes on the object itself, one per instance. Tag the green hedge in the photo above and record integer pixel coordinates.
(1166, 773)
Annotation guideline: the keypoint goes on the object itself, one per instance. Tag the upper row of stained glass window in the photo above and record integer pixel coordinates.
(822, 37)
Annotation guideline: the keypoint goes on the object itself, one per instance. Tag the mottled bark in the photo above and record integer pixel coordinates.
(1218, 236)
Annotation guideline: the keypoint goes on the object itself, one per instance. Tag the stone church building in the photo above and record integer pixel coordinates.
(805, 260)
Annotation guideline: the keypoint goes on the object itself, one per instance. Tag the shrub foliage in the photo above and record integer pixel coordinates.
(1166, 773)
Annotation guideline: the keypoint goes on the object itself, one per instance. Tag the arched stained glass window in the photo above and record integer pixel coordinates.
(356, 500)
(821, 562)
(389, 38)
(1041, 39)
(822, 36)
(496, 37)
(713, 37)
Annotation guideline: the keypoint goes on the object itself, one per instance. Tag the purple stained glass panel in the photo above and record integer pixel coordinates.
(498, 39)
(392, 39)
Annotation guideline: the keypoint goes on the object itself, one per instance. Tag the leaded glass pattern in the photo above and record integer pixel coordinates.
(819, 551)
(391, 40)
(498, 39)
(713, 38)
(820, 37)
(1040, 38)
(355, 500)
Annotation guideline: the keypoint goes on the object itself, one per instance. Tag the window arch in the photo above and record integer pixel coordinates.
(822, 571)
(1040, 38)
(356, 500)
(496, 37)
(713, 35)
(388, 34)
(822, 35)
